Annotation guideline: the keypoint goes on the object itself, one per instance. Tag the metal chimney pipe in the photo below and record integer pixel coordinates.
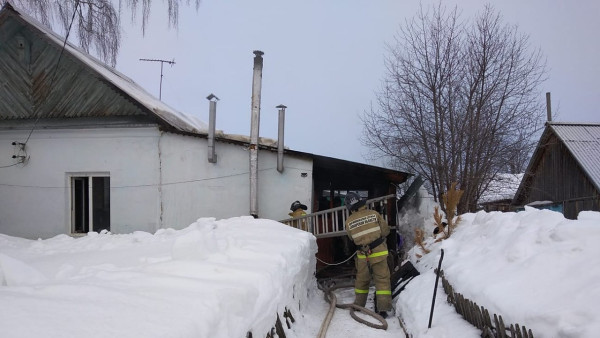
(548, 107)
(212, 117)
(254, 125)
(280, 137)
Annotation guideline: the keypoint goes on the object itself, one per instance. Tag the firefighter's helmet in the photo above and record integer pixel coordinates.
(354, 201)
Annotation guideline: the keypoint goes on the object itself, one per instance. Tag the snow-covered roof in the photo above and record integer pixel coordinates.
(503, 187)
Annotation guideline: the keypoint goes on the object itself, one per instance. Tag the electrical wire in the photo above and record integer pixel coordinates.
(55, 67)
(139, 185)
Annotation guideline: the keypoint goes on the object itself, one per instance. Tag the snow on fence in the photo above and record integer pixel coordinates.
(479, 316)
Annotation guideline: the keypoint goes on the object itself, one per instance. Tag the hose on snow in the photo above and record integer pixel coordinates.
(332, 299)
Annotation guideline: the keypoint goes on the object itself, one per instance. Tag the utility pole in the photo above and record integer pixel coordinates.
(161, 71)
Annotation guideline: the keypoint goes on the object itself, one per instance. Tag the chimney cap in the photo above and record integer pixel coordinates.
(211, 97)
(281, 106)
(258, 53)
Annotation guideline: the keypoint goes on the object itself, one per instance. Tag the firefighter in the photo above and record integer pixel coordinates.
(368, 230)
(297, 209)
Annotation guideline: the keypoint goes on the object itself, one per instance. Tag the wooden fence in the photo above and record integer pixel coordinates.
(479, 316)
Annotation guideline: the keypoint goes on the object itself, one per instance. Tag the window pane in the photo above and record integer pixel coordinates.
(101, 203)
(80, 204)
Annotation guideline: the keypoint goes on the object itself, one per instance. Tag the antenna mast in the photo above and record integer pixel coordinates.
(161, 72)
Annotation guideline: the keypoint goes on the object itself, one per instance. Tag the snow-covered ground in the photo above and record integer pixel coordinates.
(534, 267)
(223, 278)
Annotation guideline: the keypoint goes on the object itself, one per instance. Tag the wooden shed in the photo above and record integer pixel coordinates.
(564, 171)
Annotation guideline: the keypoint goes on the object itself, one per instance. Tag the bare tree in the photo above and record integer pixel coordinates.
(459, 102)
(97, 23)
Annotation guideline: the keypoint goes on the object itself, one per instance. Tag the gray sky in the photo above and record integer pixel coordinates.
(324, 60)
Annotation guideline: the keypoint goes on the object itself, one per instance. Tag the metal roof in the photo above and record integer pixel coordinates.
(583, 141)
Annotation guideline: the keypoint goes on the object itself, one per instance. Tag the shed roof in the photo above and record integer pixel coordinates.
(582, 140)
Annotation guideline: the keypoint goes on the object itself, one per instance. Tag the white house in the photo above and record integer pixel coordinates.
(83, 148)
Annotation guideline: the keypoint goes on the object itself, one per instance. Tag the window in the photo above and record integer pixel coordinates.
(90, 203)
(338, 197)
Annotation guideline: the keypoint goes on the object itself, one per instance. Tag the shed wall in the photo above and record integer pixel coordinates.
(558, 178)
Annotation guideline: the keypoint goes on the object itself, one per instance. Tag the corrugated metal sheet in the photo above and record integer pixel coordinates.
(583, 141)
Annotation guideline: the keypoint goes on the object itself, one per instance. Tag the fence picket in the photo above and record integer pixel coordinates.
(480, 317)
(499, 334)
(518, 331)
(501, 327)
(486, 317)
(479, 321)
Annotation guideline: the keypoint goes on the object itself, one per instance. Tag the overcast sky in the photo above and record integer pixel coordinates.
(324, 60)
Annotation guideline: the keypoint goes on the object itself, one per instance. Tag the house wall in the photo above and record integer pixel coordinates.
(194, 188)
(35, 198)
(558, 178)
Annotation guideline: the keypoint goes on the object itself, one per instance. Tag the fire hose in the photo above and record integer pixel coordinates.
(330, 297)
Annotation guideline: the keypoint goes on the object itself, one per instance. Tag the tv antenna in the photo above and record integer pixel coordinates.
(172, 62)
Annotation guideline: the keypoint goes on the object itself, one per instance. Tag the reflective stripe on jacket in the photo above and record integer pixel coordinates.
(365, 226)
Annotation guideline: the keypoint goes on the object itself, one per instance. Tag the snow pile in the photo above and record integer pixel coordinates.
(535, 268)
(212, 279)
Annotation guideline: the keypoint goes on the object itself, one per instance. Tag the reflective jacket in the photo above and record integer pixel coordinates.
(297, 213)
(365, 226)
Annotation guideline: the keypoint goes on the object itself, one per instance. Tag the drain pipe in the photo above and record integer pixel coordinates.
(280, 137)
(212, 117)
(254, 124)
